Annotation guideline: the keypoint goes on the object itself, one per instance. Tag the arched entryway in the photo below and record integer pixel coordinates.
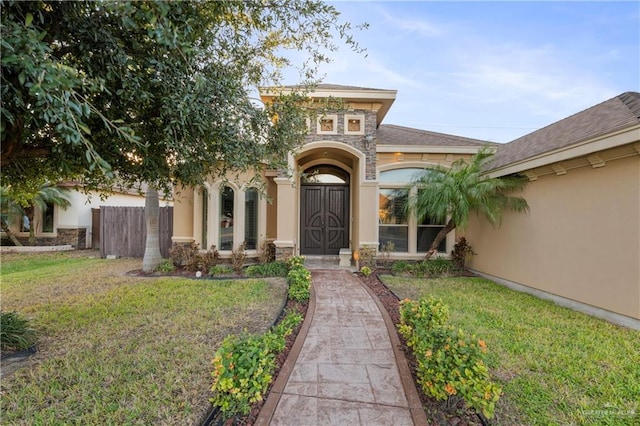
(324, 210)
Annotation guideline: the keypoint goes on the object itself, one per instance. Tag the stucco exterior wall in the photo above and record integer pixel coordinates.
(581, 240)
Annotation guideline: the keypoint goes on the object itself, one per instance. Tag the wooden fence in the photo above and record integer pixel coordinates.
(123, 232)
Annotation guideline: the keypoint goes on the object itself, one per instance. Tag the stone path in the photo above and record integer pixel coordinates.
(345, 367)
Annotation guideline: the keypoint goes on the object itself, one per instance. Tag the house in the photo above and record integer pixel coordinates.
(79, 224)
(580, 244)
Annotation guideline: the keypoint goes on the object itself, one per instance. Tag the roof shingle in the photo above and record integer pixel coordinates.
(390, 134)
(609, 116)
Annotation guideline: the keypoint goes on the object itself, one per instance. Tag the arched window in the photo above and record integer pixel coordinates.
(325, 174)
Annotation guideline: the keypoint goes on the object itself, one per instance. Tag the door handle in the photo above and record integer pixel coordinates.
(322, 226)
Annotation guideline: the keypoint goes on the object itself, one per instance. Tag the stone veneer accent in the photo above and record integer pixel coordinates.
(356, 141)
(283, 253)
(76, 237)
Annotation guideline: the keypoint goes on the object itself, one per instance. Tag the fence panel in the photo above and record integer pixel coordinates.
(123, 232)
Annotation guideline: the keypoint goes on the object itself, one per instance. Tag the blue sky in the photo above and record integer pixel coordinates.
(491, 70)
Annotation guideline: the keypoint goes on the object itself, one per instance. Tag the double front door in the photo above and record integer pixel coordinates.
(324, 219)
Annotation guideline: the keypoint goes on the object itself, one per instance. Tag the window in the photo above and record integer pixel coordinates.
(354, 124)
(392, 218)
(25, 224)
(205, 217)
(395, 225)
(226, 218)
(427, 231)
(47, 218)
(328, 124)
(251, 218)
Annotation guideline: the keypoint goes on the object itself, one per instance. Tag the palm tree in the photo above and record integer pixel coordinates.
(450, 195)
(25, 203)
(9, 210)
(152, 256)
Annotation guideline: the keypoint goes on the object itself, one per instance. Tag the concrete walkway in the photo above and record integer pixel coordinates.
(345, 368)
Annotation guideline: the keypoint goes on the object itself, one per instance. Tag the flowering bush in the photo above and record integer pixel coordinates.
(299, 280)
(295, 262)
(450, 364)
(243, 367)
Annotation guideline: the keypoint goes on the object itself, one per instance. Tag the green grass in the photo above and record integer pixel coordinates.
(556, 366)
(116, 349)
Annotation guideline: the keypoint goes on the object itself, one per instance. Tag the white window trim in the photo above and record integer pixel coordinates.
(348, 117)
(333, 117)
(213, 228)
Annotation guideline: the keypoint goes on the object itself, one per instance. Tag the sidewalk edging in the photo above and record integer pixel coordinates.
(415, 404)
(269, 407)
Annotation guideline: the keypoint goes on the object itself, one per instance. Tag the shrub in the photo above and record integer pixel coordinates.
(238, 256)
(220, 270)
(166, 266)
(192, 258)
(299, 280)
(366, 271)
(295, 262)
(243, 367)
(461, 253)
(272, 269)
(242, 371)
(185, 255)
(385, 253)
(450, 364)
(15, 332)
(424, 269)
(267, 252)
(432, 268)
(400, 267)
(208, 259)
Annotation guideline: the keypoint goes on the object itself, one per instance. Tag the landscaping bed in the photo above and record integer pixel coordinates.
(435, 410)
(555, 365)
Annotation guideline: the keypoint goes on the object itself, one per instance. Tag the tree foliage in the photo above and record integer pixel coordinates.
(450, 195)
(154, 91)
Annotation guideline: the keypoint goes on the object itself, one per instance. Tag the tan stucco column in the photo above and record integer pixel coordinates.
(183, 215)
(367, 221)
(287, 209)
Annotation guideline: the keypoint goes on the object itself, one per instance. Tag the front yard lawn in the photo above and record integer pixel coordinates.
(117, 349)
(556, 366)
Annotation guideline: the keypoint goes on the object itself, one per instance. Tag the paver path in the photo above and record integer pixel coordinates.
(346, 371)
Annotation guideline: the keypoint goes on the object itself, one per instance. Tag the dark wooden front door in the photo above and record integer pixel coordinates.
(324, 218)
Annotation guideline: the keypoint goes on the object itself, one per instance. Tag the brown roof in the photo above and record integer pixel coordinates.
(607, 117)
(327, 86)
(390, 134)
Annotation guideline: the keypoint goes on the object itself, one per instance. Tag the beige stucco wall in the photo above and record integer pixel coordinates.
(580, 241)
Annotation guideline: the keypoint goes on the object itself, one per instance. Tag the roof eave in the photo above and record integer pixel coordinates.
(427, 149)
(585, 147)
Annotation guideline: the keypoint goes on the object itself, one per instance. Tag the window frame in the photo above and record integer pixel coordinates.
(413, 224)
(360, 118)
(212, 228)
(326, 117)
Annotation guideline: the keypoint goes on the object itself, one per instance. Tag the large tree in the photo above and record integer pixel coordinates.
(450, 195)
(155, 92)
